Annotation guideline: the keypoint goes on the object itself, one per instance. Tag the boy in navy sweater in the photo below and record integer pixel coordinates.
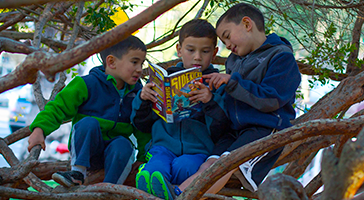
(99, 105)
(178, 149)
(261, 80)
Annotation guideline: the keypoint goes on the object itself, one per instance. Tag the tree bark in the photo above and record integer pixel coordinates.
(298, 132)
(280, 186)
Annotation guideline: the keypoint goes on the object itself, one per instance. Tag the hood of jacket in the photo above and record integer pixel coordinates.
(274, 40)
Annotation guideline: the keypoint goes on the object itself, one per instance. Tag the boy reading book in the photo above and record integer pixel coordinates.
(178, 149)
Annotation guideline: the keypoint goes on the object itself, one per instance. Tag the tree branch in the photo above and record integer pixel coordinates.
(297, 167)
(311, 145)
(307, 70)
(16, 19)
(176, 33)
(18, 3)
(54, 44)
(358, 5)
(13, 46)
(237, 192)
(352, 69)
(25, 194)
(314, 185)
(347, 93)
(118, 189)
(47, 14)
(298, 132)
(280, 186)
(6, 16)
(343, 177)
(31, 179)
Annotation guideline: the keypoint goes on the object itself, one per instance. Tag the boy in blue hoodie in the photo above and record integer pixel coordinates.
(178, 149)
(261, 80)
(99, 105)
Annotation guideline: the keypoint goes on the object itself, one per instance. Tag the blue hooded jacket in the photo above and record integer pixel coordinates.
(190, 136)
(263, 86)
(94, 95)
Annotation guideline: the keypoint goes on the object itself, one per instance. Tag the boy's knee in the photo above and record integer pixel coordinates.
(207, 164)
(189, 163)
(121, 148)
(87, 122)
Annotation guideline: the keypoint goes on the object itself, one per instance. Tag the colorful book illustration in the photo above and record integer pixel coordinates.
(173, 102)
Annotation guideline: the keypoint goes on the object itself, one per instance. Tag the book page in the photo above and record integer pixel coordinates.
(156, 76)
(183, 71)
(158, 68)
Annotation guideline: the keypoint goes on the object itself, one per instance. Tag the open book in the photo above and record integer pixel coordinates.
(173, 104)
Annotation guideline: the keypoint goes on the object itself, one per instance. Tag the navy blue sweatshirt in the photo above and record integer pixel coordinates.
(263, 86)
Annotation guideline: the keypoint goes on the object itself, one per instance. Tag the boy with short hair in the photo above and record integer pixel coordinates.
(99, 105)
(261, 80)
(178, 149)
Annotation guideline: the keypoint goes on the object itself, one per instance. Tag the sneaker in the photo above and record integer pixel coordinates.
(161, 187)
(68, 178)
(244, 174)
(142, 181)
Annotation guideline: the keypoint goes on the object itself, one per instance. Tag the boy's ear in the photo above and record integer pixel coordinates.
(179, 47)
(110, 61)
(215, 52)
(247, 22)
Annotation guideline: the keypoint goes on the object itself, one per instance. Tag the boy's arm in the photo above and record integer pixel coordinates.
(277, 88)
(35, 138)
(142, 140)
(217, 120)
(63, 107)
(142, 115)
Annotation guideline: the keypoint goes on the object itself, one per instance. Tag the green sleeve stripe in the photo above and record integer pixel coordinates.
(142, 140)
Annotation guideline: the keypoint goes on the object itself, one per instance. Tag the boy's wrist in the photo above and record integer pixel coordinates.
(231, 85)
(209, 104)
(211, 98)
(38, 131)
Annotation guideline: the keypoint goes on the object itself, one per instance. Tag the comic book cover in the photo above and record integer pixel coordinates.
(173, 104)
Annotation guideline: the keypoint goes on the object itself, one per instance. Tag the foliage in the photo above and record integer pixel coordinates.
(322, 32)
(330, 54)
(99, 19)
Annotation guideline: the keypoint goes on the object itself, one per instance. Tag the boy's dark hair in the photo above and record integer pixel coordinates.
(238, 11)
(122, 48)
(198, 28)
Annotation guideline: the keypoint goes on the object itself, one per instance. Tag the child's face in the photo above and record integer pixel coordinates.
(236, 37)
(128, 69)
(196, 51)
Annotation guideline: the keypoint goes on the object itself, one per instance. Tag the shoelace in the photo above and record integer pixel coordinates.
(177, 191)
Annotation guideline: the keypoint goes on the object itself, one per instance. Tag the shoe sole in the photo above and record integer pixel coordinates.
(159, 186)
(62, 180)
(142, 181)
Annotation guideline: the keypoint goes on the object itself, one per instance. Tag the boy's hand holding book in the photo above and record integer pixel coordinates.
(202, 94)
(148, 93)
